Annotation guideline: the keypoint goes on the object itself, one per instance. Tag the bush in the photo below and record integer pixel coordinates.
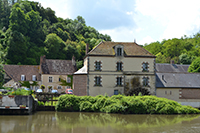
(122, 104)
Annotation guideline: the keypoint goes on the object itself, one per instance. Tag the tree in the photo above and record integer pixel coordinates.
(134, 88)
(154, 47)
(185, 59)
(55, 47)
(17, 48)
(195, 66)
(1, 75)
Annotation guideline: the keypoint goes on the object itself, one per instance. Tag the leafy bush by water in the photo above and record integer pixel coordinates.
(122, 104)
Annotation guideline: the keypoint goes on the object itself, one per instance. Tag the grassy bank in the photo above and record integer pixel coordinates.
(123, 105)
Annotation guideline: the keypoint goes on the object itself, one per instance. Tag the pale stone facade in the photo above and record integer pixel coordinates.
(107, 72)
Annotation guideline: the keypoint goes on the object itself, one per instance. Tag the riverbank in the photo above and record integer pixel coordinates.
(123, 105)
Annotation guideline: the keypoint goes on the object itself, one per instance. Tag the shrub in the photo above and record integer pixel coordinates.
(86, 106)
(122, 104)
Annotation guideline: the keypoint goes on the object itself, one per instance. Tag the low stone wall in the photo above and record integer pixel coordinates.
(17, 104)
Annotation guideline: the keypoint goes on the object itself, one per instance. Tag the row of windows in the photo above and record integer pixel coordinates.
(68, 79)
(119, 81)
(119, 66)
(23, 78)
(59, 87)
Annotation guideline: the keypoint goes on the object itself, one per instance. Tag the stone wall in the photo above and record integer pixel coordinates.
(80, 85)
(17, 104)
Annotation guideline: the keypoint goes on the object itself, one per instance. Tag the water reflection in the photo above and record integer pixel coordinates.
(62, 122)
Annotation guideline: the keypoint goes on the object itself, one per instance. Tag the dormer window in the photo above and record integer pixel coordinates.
(22, 77)
(34, 77)
(119, 50)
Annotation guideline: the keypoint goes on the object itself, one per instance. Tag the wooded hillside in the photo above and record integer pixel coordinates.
(182, 51)
(27, 31)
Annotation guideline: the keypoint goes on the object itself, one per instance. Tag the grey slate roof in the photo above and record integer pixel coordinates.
(60, 67)
(175, 68)
(181, 80)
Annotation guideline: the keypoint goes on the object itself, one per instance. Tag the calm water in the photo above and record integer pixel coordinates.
(62, 122)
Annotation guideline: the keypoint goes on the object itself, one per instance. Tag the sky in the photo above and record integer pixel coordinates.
(144, 21)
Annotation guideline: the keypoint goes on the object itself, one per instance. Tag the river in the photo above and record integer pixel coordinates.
(75, 122)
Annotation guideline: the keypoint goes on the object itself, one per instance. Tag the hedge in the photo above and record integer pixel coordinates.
(122, 104)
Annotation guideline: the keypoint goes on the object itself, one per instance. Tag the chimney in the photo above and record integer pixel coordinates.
(87, 48)
(42, 60)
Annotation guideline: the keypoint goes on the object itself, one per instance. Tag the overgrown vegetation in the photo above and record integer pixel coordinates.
(20, 91)
(122, 104)
(135, 88)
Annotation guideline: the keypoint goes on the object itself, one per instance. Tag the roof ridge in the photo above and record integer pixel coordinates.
(59, 59)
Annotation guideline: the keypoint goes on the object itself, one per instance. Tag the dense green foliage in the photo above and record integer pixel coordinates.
(27, 31)
(195, 66)
(122, 104)
(20, 92)
(1, 75)
(183, 50)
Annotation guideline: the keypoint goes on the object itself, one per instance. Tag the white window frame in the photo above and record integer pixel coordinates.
(145, 81)
(145, 67)
(97, 81)
(50, 81)
(119, 50)
(22, 77)
(119, 66)
(34, 78)
(68, 80)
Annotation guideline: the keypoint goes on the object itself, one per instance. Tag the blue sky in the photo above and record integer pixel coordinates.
(125, 20)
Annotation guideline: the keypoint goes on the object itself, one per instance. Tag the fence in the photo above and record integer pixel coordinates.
(49, 100)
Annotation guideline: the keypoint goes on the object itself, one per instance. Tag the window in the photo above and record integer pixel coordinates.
(68, 87)
(34, 77)
(59, 79)
(22, 77)
(116, 92)
(145, 81)
(119, 81)
(97, 81)
(119, 51)
(50, 79)
(145, 66)
(68, 79)
(59, 87)
(97, 66)
(119, 66)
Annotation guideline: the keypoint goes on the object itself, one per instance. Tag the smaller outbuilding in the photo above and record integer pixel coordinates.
(175, 83)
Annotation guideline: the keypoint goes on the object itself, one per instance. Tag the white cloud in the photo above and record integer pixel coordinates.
(120, 34)
(147, 39)
(129, 13)
(62, 8)
(177, 16)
